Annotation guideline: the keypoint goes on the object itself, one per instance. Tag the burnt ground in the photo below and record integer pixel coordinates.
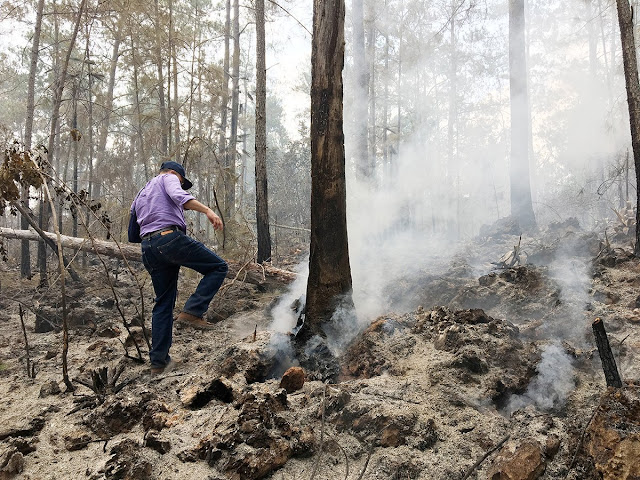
(477, 359)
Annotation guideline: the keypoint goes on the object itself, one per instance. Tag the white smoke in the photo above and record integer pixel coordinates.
(286, 311)
(552, 384)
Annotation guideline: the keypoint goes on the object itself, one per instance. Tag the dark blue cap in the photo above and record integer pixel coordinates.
(175, 166)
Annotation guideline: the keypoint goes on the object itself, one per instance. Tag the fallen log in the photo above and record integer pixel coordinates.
(102, 247)
(250, 272)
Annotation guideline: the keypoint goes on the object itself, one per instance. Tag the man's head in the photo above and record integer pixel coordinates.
(179, 169)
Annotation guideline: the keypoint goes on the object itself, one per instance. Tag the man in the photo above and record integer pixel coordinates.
(158, 210)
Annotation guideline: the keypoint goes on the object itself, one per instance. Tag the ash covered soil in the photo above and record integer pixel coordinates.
(476, 371)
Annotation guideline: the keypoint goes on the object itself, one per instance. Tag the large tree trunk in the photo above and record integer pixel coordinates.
(625, 19)
(361, 93)
(262, 204)
(25, 257)
(521, 203)
(329, 269)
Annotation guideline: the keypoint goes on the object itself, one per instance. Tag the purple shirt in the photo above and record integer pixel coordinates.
(160, 204)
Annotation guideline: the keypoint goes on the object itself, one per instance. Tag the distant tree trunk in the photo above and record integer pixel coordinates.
(136, 94)
(25, 257)
(521, 203)
(386, 161)
(176, 104)
(452, 127)
(164, 134)
(108, 104)
(329, 269)
(371, 59)
(224, 101)
(230, 201)
(625, 19)
(75, 139)
(400, 91)
(88, 61)
(360, 94)
(55, 117)
(262, 204)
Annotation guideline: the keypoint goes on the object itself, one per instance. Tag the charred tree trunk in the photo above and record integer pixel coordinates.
(609, 366)
(262, 204)
(625, 19)
(521, 203)
(329, 269)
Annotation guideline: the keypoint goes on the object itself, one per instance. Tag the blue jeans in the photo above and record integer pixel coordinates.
(163, 255)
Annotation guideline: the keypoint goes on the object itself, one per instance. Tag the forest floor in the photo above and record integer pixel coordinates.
(489, 372)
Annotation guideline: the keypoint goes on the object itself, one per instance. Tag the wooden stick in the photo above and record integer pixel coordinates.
(26, 342)
(484, 457)
(609, 367)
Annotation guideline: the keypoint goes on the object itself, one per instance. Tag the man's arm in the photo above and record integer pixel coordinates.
(214, 219)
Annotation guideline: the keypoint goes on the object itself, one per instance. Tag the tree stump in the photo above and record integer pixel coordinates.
(611, 373)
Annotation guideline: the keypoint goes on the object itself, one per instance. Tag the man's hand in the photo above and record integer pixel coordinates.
(214, 219)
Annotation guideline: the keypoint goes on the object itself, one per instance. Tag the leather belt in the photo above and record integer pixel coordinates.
(162, 231)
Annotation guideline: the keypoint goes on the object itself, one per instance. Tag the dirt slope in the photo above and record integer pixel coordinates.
(483, 357)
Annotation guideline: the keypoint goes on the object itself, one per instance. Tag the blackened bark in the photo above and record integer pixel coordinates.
(329, 269)
(625, 19)
(262, 205)
(609, 366)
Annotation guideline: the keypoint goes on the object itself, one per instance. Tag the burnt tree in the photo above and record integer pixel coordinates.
(329, 269)
(521, 203)
(630, 61)
(262, 205)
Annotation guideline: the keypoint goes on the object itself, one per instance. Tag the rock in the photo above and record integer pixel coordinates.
(525, 462)
(15, 464)
(126, 463)
(114, 416)
(154, 441)
(293, 379)
(155, 416)
(197, 396)
(304, 443)
(258, 463)
(613, 440)
(425, 435)
(76, 440)
(44, 322)
(108, 331)
(50, 387)
(552, 446)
